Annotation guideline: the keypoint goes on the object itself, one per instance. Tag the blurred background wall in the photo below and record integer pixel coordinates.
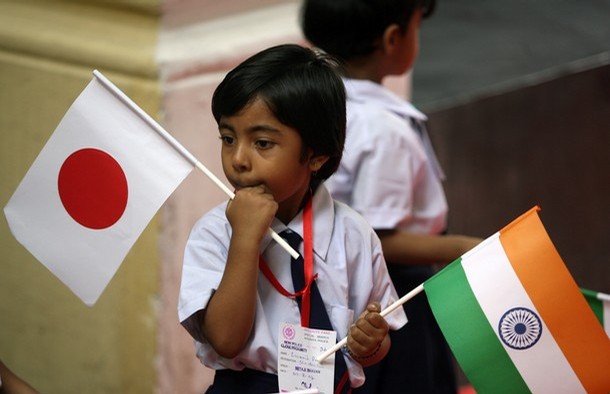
(518, 94)
(47, 335)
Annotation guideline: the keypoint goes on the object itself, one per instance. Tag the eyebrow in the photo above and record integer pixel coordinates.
(252, 129)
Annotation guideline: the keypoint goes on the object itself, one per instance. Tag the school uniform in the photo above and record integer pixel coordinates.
(389, 174)
(347, 259)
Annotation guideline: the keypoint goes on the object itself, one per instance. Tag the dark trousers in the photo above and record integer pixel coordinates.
(419, 360)
(247, 381)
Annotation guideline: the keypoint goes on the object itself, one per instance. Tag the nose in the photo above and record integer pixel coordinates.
(240, 159)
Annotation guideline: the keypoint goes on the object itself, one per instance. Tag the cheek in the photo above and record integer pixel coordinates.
(227, 166)
(224, 159)
(288, 177)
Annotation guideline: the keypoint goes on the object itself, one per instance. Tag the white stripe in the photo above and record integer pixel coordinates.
(543, 366)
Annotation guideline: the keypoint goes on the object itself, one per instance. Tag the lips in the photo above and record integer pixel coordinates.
(243, 185)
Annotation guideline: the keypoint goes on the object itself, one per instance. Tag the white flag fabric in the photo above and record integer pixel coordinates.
(92, 190)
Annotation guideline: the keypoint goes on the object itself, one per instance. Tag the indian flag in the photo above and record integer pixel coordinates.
(600, 304)
(516, 320)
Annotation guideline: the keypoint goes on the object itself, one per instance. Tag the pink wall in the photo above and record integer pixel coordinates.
(199, 43)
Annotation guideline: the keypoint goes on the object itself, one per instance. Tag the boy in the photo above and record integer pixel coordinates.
(281, 119)
(389, 174)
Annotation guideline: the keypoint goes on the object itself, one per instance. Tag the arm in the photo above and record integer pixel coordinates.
(368, 341)
(227, 321)
(416, 249)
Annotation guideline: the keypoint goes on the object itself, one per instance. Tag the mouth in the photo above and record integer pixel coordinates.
(243, 185)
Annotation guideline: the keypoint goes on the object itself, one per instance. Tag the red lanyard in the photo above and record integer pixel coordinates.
(305, 293)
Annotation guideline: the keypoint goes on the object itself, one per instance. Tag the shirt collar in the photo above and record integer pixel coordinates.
(367, 92)
(323, 222)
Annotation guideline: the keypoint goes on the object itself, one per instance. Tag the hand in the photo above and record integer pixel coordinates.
(467, 243)
(366, 336)
(251, 212)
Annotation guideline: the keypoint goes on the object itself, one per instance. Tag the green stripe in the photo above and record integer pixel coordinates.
(596, 305)
(472, 339)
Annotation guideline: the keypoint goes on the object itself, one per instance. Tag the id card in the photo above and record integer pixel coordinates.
(298, 368)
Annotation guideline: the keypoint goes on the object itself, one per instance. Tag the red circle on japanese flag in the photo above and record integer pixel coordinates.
(93, 188)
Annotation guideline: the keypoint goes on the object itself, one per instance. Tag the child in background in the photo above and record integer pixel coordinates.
(281, 120)
(390, 175)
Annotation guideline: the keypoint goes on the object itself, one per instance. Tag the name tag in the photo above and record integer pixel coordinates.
(298, 368)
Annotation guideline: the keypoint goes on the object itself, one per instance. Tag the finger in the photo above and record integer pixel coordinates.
(364, 334)
(372, 307)
(260, 189)
(376, 321)
(357, 340)
(361, 345)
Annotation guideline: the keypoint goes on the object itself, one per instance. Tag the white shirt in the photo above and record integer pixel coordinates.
(347, 259)
(388, 173)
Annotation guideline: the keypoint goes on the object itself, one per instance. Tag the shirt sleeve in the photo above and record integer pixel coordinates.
(389, 160)
(383, 288)
(204, 261)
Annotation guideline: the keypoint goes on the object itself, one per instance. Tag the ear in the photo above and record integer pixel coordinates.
(316, 162)
(390, 38)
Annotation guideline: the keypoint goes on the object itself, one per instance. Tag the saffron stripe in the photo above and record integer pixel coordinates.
(557, 297)
(606, 322)
(595, 304)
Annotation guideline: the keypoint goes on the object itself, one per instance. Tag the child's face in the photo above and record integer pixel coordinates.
(257, 149)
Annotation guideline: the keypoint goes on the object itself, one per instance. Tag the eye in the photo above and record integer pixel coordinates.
(226, 139)
(264, 144)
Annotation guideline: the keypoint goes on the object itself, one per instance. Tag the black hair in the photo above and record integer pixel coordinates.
(352, 28)
(301, 87)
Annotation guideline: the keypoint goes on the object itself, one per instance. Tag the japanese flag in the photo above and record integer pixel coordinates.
(95, 186)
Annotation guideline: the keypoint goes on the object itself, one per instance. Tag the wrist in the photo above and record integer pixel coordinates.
(361, 358)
